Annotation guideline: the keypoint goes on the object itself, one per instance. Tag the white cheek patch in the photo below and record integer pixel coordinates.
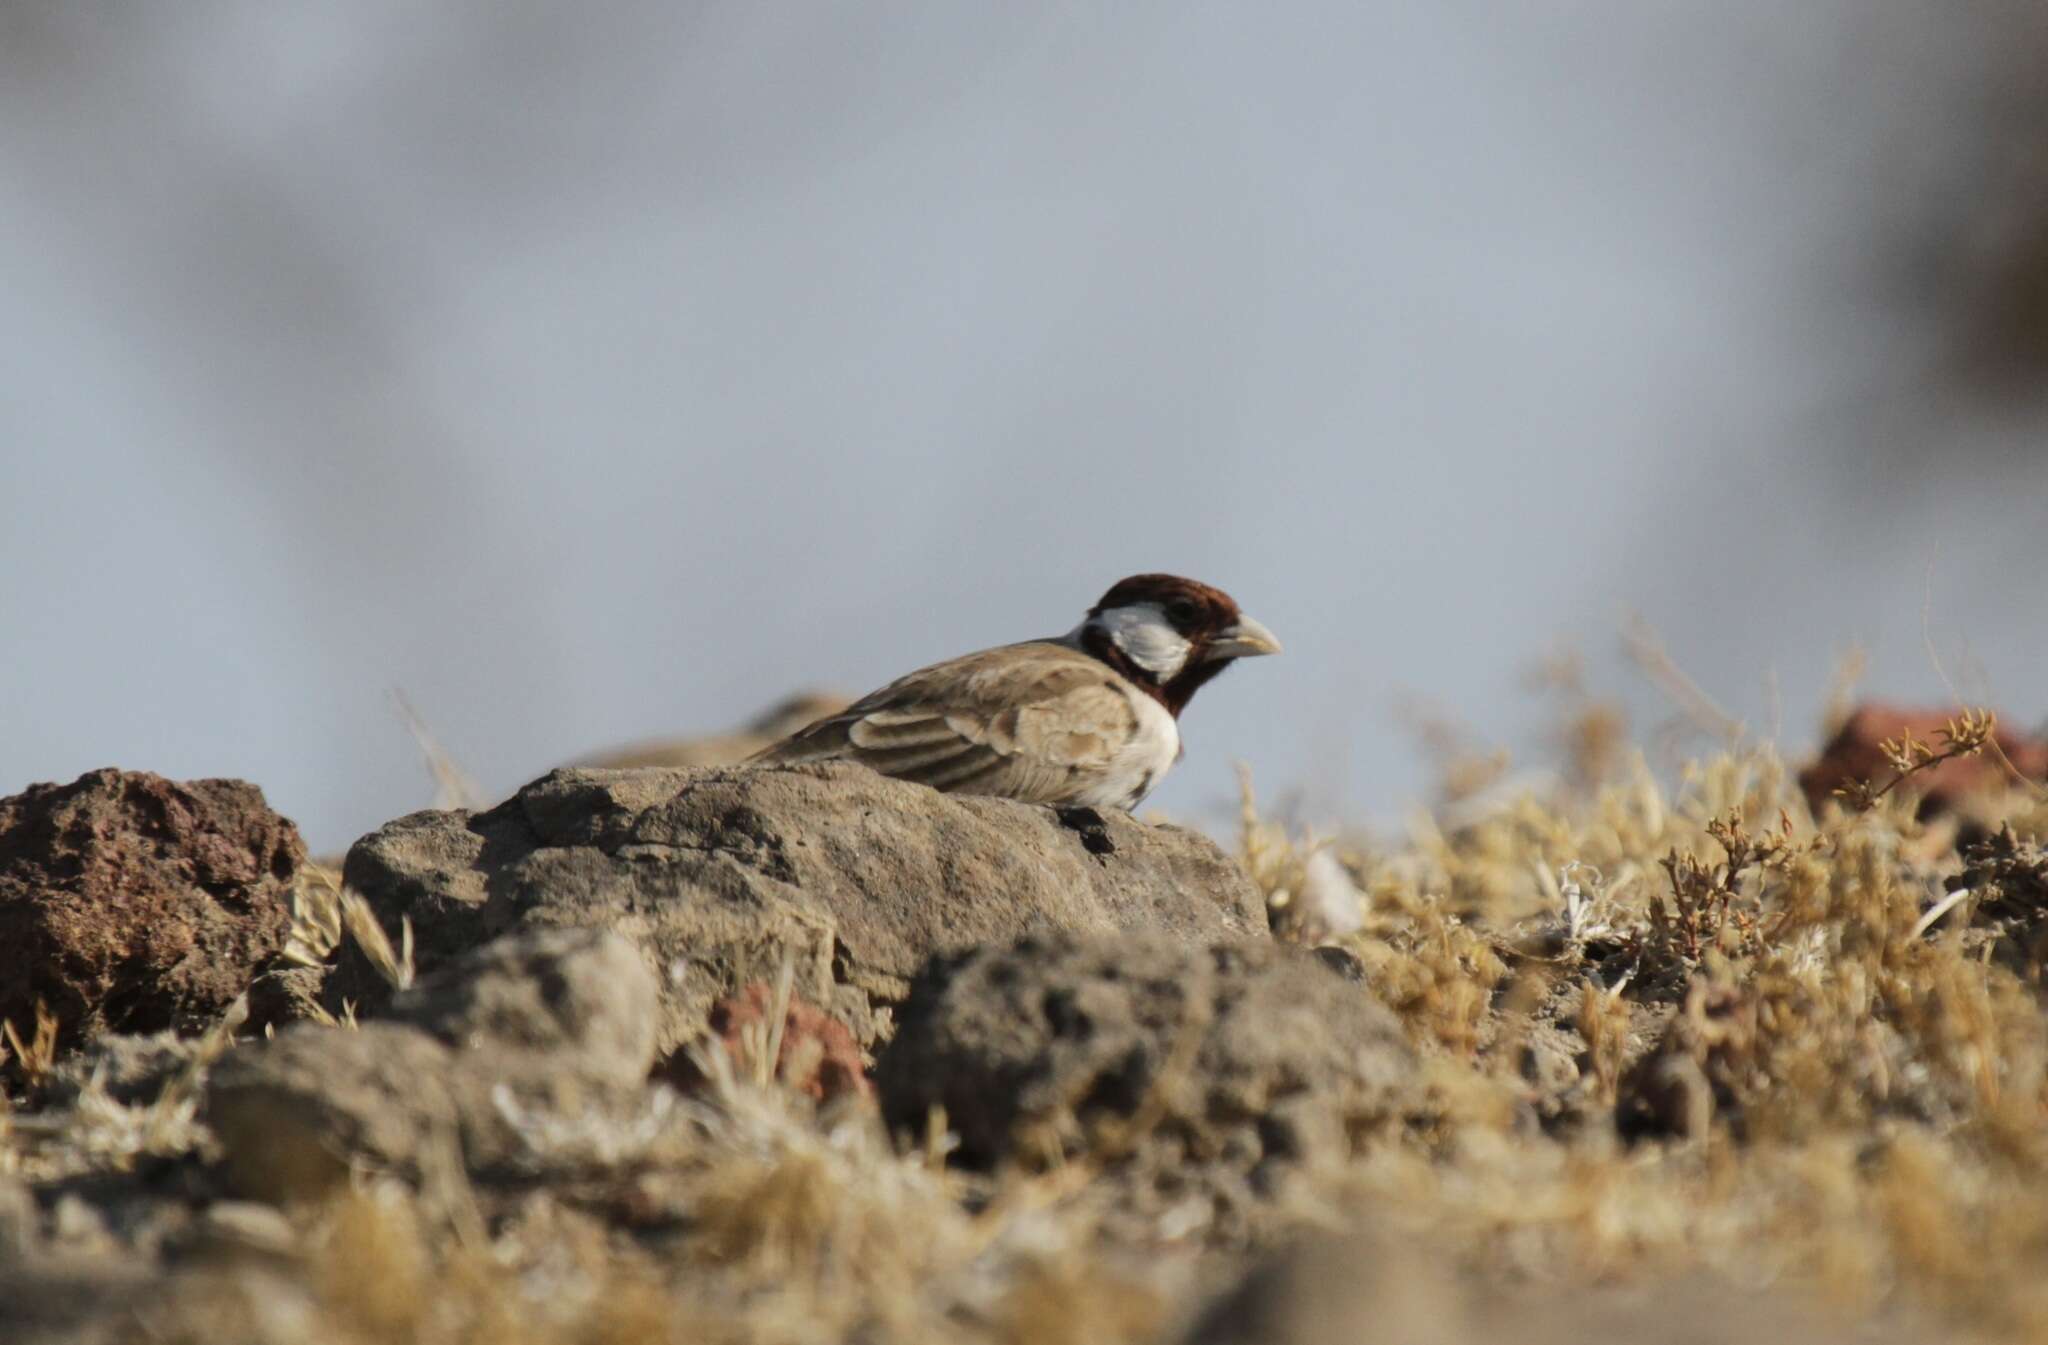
(1143, 632)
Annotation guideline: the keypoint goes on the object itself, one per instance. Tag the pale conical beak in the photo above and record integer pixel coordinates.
(1246, 639)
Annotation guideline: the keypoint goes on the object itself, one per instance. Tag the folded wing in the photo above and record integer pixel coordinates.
(1024, 721)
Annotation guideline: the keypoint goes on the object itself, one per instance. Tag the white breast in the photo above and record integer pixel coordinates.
(1139, 766)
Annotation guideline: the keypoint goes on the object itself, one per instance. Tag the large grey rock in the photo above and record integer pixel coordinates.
(546, 1024)
(1210, 1081)
(720, 875)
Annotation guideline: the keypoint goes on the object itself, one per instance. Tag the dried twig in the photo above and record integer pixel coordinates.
(1639, 640)
(1939, 909)
(453, 787)
(394, 965)
(316, 917)
(1964, 736)
(36, 1057)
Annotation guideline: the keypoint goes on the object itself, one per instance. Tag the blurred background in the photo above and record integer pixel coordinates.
(599, 372)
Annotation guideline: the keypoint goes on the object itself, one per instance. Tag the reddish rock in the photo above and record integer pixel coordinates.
(1852, 754)
(819, 1056)
(132, 903)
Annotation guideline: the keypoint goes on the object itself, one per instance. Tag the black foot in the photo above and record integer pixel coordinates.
(1088, 824)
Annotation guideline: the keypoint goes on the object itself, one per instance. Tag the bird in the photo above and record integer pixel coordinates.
(1087, 719)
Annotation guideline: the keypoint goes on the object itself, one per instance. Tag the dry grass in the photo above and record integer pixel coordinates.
(742, 1215)
(1838, 1082)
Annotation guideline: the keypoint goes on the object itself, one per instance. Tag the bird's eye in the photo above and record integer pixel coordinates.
(1181, 612)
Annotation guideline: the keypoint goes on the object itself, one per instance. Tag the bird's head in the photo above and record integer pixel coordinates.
(1171, 635)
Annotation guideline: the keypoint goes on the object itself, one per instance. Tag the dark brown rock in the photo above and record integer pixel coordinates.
(132, 903)
(1212, 1079)
(721, 876)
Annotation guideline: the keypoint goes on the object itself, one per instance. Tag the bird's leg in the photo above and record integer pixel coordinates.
(1088, 824)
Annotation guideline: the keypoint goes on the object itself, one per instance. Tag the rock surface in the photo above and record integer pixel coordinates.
(581, 993)
(719, 876)
(551, 1025)
(132, 903)
(1222, 1074)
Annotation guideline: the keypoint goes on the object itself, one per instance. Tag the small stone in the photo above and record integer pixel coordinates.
(819, 1057)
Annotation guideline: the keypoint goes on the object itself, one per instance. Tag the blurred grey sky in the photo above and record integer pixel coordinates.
(599, 371)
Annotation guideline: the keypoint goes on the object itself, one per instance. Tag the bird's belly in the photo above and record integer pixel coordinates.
(1136, 769)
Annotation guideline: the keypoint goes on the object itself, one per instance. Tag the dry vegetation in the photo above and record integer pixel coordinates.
(1669, 1028)
(1801, 1050)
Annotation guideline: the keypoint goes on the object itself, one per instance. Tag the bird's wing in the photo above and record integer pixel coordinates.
(1022, 721)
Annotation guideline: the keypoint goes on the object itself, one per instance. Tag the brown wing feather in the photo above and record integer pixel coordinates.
(1021, 721)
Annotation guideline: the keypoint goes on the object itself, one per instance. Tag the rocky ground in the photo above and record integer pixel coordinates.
(705, 1053)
